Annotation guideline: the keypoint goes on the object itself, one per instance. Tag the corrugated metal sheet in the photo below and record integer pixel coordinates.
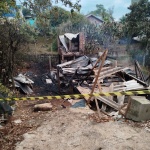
(70, 36)
(62, 40)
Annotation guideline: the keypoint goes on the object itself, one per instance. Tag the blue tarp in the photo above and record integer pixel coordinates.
(31, 22)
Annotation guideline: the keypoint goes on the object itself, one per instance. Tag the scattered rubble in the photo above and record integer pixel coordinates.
(94, 75)
(24, 83)
(18, 121)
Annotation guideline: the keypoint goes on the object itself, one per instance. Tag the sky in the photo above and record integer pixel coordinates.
(120, 6)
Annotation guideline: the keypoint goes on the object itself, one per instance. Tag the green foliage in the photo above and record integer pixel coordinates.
(53, 18)
(123, 19)
(30, 33)
(75, 23)
(40, 6)
(54, 46)
(4, 91)
(105, 14)
(134, 52)
(49, 16)
(78, 19)
(13, 36)
(5, 5)
(138, 23)
(58, 15)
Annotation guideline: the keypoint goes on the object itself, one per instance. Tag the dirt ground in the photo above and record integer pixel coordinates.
(71, 130)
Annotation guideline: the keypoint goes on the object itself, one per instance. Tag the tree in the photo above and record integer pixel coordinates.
(138, 23)
(52, 20)
(49, 17)
(138, 19)
(123, 19)
(40, 6)
(106, 15)
(5, 5)
(13, 35)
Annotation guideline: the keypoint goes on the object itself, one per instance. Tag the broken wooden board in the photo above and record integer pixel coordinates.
(108, 73)
(86, 90)
(105, 100)
(133, 85)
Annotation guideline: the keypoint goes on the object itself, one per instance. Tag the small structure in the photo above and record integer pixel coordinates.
(94, 19)
(11, 14)
(70, 45)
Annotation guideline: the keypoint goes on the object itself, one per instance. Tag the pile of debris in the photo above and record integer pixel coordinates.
(95, 75)
(23, 83)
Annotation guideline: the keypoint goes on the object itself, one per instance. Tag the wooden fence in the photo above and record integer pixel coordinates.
(54, 58)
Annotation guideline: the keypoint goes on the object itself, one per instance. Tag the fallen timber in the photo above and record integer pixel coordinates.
(96, 78)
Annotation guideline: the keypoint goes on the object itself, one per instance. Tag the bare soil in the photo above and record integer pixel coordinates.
(69, 130)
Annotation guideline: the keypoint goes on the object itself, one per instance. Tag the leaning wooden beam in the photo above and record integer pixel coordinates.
(98, 109)
(83, 90)
(68, 63)
(99, 59)
(108, 73)
(101, 65)
(104, 69)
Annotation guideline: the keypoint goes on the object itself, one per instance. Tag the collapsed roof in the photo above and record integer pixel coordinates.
(69, 36)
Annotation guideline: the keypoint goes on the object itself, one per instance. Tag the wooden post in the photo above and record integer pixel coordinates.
(58, 79)
(128, 106)
(99, 70)
(97, 106)
(35, 50)
(103, 57)
(50, 63)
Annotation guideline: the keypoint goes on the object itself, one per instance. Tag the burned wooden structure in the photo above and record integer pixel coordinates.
(95, 75)
(70, 46)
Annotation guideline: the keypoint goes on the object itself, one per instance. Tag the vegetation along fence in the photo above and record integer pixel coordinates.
(54, 58)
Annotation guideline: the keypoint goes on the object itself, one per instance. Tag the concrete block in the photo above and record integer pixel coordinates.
(139, 109)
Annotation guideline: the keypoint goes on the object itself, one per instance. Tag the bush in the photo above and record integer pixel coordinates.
(54, 46)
